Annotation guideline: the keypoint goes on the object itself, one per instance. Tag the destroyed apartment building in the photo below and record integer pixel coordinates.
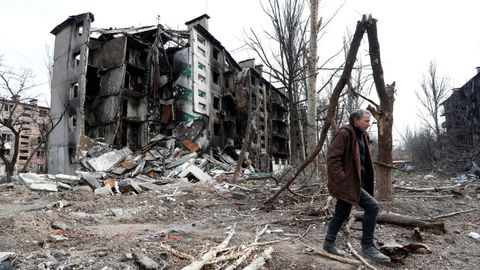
(127, 86)
(462, 117)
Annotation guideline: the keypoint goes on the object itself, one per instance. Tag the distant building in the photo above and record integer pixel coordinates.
(29, 119)
(126, 86)
(462, 117)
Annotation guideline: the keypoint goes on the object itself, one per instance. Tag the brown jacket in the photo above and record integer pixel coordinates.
(344, 168)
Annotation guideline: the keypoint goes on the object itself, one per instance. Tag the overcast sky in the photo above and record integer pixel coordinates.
(411, 33)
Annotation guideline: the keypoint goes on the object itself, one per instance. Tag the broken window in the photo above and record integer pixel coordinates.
(203, 107)
(215, 76)
(80, 29)
(201, 78)
(39, 167)
(200, 40)
(215, 53)
(74, 90)
(40, 153)
(8, 107)
(73, 121)
(202, 94)
(6, 137)
(216, 103)
(201, 66)
(75, 61)
(125, 108)
(216, 129)
(202, 51)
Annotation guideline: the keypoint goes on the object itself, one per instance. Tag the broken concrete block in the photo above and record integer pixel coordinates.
(150, 186)
(138, 169)
(59, 225)
(90, 179)
(129, 184)
(106, 190)
(118, 170)
(35, 182)
(157, 138)
(156, 154)
(197, 173)
(106, 161)
(68, 179)
(145, 262)
(129, 164)
(64, 186)
(6, 255)
(181, 160)
(95, 151)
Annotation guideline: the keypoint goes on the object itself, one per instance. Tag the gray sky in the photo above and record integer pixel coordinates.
(411, 33)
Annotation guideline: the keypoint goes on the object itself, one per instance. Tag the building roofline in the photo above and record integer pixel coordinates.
(72, 19)
(197, 19)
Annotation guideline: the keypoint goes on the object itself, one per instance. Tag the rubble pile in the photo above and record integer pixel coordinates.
(165, 160)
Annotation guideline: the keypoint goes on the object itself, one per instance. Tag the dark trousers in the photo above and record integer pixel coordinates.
(342, 211)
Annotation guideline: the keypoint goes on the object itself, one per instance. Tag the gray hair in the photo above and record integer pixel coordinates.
(357, 114)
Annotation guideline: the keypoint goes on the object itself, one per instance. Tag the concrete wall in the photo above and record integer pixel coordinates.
(67, 71)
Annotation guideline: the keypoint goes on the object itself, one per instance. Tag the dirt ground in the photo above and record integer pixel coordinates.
(104, 232)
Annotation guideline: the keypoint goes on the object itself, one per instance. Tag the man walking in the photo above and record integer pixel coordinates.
(350, 181)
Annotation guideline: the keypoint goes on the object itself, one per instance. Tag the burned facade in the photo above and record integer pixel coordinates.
(127, 86)
(462, 117)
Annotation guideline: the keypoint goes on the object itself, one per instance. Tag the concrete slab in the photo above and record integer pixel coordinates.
(35, 182)
(106, 161)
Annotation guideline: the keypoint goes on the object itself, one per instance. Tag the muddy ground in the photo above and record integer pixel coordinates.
(104, 232)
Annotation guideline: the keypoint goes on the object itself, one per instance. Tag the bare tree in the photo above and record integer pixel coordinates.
(285, 63)
(21, 116)
(312, 82)
(433, 92)
(383, 113)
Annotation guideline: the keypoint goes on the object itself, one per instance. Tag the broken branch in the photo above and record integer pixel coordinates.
(175, 252)
(454, 213)
(260, 261)
(360, 257)
(421, 189)
(197, 265)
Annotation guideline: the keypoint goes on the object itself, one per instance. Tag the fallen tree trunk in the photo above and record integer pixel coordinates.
(407, 221)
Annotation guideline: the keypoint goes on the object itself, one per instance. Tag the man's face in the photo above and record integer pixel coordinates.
(363, 122)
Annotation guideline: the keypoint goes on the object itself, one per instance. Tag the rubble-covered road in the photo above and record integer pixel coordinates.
(77, 229)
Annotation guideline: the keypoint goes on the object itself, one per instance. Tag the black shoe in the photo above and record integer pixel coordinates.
(329, 246)
(373, 254)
